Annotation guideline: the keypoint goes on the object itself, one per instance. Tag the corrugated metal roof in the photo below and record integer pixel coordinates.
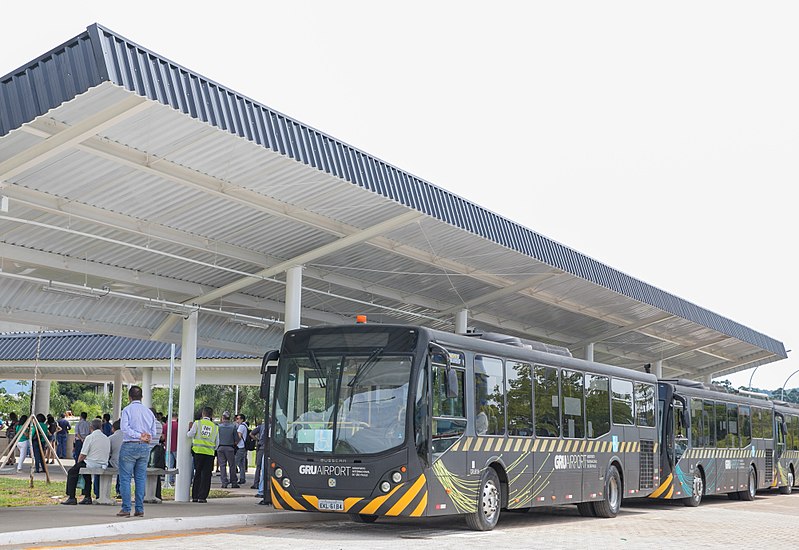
(247, 169)
(77, 346)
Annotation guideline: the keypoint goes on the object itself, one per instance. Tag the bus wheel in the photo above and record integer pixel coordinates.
(488, 503)
(586, 509)
(609, 507)
(363, 518)
(751, 485)
(698, 488)
(786, 490)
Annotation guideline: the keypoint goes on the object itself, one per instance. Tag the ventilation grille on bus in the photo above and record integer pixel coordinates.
(647, 465)
(769, 466)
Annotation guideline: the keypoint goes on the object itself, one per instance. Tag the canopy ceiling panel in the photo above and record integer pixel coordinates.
(137, 187)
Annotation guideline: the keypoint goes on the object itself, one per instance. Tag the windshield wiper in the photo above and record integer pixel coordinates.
(320, 374)
(362, 369)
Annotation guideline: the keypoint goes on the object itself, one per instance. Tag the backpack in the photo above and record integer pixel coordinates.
(249, 443)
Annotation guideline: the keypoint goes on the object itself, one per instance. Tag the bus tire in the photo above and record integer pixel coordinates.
(609, 506)
(489, 500)
(751, 485)
(363, 518)
(586, 509)
(698, 488)
(786, 490)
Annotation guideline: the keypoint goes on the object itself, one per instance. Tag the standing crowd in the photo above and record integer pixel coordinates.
(136, 441)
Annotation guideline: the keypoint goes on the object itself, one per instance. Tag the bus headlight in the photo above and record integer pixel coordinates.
(396, 477)
(278, 473)
(385, 486)
(286, 482)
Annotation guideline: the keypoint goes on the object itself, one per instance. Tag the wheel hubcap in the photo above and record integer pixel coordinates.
(697, 487)
(490, 500)
(613, 493)
(790, 479)
(752, 486)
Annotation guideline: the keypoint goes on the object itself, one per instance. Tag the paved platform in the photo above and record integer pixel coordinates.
(57, 523)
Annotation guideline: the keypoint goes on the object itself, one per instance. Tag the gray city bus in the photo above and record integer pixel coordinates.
(377, 420)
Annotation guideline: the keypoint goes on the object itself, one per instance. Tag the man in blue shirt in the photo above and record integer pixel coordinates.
(138, 426)
(61, 436)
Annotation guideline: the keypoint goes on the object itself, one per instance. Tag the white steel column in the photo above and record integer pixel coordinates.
(147, 386)
(708, 379)
(188, 369)
(461, 321)
(589, 352)
(42, 399)
(659, 369)
(293, 297)
(117, 394)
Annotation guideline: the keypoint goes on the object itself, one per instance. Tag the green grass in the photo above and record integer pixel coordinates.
(18, 492)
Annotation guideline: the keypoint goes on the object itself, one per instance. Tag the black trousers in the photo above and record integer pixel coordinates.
(201, 486)
(72, 480)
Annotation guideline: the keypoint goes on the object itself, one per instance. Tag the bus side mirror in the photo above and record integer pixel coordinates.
(268, 370)
(452, 383)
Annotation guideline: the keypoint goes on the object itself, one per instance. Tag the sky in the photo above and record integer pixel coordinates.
(659, 138)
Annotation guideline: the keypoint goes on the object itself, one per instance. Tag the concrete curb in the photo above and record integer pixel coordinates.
(135, 526)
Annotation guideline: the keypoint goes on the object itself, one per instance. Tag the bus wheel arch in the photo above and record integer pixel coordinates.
(610, 504)
(489, 502)
(697, 488)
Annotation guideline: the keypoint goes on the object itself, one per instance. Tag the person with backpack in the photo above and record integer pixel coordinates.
(243, 434)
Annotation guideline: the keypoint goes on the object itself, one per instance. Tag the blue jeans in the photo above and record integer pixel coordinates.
(61, 445)
(133, 458)
(171, 460)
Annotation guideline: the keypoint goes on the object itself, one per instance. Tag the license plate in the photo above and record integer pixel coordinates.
(332, 505)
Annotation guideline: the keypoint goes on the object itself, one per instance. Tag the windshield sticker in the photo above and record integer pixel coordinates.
(323, 441)
(305, 436)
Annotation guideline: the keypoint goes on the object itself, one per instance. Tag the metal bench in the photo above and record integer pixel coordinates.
(106, 476)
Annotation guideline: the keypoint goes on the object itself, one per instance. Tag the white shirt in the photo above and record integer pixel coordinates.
(97, 448)
(242, 429)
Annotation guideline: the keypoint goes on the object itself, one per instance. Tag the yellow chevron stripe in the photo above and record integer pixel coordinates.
(518, 445)
(527, 445)
(421, 508)
(287, 497)
(457, 445)
(372, 507)
(275, 501)
(502, 442)
(535, 444)
(582, 446)
(409, 495)
(468, 443)
(671, 492)
(662, 488)
(478, 442)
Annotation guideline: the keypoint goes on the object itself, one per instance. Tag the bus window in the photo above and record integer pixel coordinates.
(696, 423)
(721, 426)
(449, 413)
(768, 423)
(520, 398)
(732, 426)
(794, 431)
(571, 394)
(489, 393)
(547, 417)
(757, 423)
(622, 407)
(745, 425)
(597, 405)
(644, 404)
(709, 423)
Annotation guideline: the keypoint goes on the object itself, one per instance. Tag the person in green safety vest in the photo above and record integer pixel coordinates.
(204, 436)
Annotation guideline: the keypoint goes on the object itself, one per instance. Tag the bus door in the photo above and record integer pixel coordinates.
(779, 452)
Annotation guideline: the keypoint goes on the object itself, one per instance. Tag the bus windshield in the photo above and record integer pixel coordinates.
(342, 403)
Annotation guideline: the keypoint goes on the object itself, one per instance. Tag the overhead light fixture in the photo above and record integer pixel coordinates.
(3, 203)
(170, 308)
(254, 322)
(85, 292)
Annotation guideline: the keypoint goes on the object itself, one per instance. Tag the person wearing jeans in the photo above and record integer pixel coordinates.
(138, 426)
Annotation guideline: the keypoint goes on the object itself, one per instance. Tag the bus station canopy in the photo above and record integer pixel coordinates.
(136, 191)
